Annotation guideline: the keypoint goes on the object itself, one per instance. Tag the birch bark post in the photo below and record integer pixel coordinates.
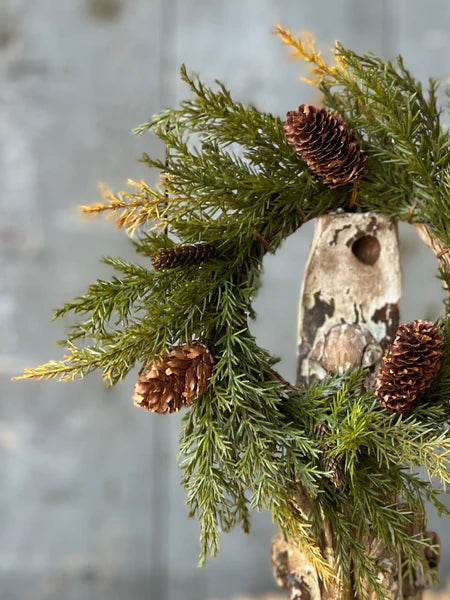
(348, 316)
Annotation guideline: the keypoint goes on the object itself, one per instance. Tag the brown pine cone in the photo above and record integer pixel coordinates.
(334, 466)
(182, 256)
(409, 366)
(322, 430)
(326, 144)
(177, 380)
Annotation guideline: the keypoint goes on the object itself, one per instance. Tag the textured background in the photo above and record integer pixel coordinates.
(90, 502)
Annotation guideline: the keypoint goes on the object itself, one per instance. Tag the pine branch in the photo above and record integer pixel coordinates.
(231, 179)
(105, 301)
(409, 152)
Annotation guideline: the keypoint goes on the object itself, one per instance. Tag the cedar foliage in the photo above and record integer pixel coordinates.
(232, 180)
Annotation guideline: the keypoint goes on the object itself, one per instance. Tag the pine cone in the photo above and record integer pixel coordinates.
(331, 464)
(181, 377)
(326, 144)
(182, 256)
(322, 430)
(409, 366)
(334, 466)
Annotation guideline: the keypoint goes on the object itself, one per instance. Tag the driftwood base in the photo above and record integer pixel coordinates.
(293, 572)
(429, 595)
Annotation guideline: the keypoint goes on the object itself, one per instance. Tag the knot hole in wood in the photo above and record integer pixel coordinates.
(367, 249)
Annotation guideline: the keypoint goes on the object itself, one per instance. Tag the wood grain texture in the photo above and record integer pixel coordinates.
(350, 294)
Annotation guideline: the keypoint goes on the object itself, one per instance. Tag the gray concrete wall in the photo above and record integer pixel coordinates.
(90, 501)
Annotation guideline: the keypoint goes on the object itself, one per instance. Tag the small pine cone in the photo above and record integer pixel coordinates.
(181, 377)
(158, 392)
(322, 430)
(409, 366)
(326, 144)
(333, 465)
(182, 256)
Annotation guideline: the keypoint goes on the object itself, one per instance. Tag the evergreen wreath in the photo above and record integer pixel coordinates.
(232, 188)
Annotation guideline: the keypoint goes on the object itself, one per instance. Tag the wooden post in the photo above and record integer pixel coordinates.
(351, 290)
(348, 316)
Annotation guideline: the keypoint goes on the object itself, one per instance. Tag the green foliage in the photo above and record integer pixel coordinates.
(409, 151)
(231, 179)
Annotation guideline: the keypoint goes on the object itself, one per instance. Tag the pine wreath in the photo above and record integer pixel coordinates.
(377, 145)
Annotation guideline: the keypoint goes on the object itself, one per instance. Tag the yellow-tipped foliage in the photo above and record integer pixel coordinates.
(55, 369)
(74, 366)
(130, 210)
(304, 48)
(315, 557)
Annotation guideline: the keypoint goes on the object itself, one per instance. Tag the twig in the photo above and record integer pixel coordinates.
(263, 241)
(411, 211)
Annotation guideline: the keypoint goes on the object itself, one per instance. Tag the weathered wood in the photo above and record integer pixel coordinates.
(352, 278)
(348, 316)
